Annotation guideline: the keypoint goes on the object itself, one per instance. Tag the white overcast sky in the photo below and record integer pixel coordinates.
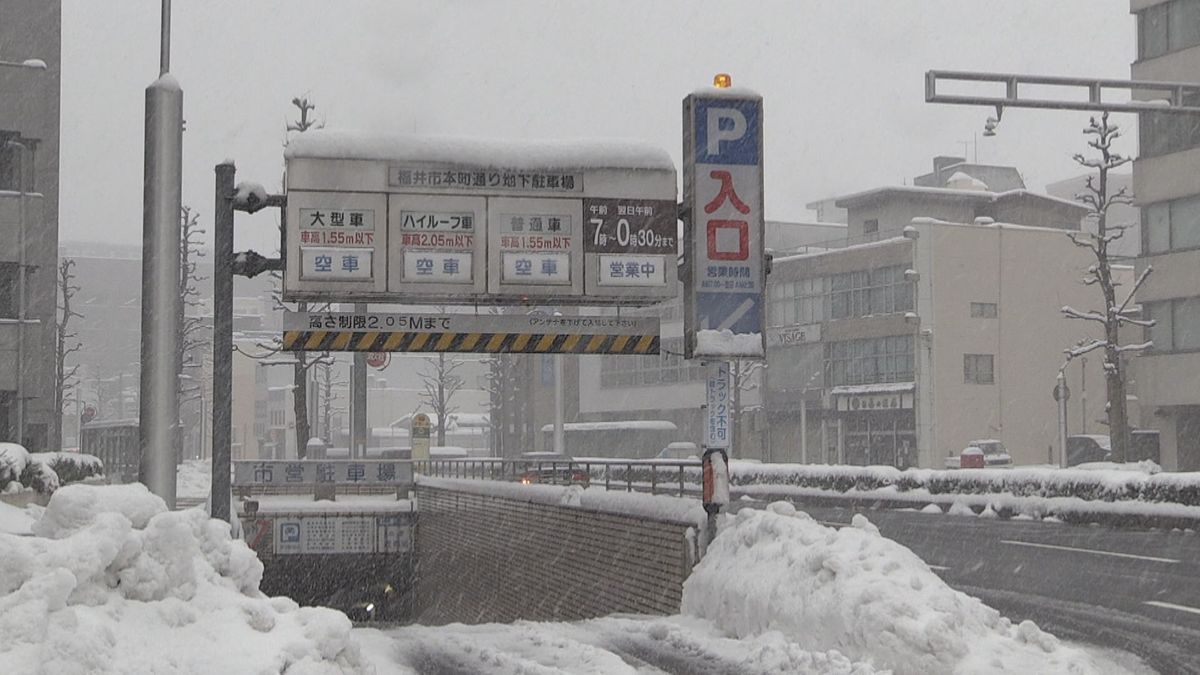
(842, 82)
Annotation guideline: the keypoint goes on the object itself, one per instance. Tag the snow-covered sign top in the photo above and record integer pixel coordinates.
(480, 152)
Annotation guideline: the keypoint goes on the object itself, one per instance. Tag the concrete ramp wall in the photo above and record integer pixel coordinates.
(500, 558)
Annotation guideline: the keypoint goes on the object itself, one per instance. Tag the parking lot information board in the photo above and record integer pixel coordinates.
(407, 219)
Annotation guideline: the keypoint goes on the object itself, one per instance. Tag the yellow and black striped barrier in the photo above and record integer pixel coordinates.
(478, 343)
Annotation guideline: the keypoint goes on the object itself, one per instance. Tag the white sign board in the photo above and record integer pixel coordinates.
(321, 534)
(478, 221)
(718, 428)
(723, 189)
(794, 335)
(250, 473)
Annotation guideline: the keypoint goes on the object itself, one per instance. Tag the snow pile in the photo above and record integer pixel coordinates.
(16, 520)
(249, 195)
(727, 343)
(113, 582)
(193, 479)
(856, 592)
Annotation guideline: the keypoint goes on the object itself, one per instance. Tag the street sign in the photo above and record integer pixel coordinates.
(467, 221)
(476, 333)
(378, 360)
(1065, 394)
(419, 433)
(254, 473)
(722, 149)
(719, 425)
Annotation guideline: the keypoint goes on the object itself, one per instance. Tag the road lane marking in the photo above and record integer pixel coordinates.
(1089, 550)
(1171, 605)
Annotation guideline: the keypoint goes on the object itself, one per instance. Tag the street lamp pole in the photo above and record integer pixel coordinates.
(161, 207)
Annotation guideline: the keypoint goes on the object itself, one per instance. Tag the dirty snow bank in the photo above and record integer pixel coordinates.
(114, 583)
(853, 591)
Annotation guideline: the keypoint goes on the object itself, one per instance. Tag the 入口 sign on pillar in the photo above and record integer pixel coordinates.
(724, 303)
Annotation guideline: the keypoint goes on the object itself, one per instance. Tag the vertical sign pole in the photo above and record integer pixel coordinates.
(358, 399)
(222, 389)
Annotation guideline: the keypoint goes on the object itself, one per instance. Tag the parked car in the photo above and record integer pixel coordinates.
(370, 602)
(553, 468)
(1084, 448)
(680, 450)
(994, 455)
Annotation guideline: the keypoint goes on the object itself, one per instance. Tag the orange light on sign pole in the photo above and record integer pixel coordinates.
(722, 81)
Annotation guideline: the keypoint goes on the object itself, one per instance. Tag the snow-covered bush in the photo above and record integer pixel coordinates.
(113, 582)
(13, 460)
(71, 467)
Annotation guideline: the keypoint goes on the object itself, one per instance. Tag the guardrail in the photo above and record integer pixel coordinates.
(666, 477)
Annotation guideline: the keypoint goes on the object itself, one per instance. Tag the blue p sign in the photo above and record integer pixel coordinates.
(727, 131)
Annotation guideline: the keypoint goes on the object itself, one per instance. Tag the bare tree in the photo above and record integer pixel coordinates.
(1116, 313)
(65, 342)
(328, 381)
(302, 362)
(441, 382)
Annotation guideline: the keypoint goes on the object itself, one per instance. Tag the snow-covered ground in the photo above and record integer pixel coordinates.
(112, 582)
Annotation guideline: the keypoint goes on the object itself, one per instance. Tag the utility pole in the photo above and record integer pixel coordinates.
(222, 388)
(161, 205)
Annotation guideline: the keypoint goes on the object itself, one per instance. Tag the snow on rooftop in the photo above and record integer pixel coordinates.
(884, 388)
(620, 425)
(480, 152)
(963, 181)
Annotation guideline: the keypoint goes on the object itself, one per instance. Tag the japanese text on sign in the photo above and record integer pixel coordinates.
(336, 264)
(632, 270)
(311, 472)
(438, 266)
(717, 428)
(537, 268)
(427, 220)
(629, 226)
(350, 219)
(535, 224)
(484, 179)
(377, 322)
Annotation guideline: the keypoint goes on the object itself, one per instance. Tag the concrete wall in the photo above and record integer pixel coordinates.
(484, 559)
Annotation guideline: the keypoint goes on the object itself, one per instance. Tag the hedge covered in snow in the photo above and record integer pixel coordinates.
(1143, 483)
(44, 471)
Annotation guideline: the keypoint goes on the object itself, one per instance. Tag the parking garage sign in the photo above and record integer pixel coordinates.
(723, 191)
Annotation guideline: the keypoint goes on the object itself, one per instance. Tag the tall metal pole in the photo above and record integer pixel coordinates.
(358, 399)
(164, 52)
(222, 388)
(161, 204)
(1083, 396)
(1062, 419)
(560, 445)
(22, 307)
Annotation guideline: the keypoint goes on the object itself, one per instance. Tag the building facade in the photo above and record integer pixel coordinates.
(1166, 186)
(29, 146)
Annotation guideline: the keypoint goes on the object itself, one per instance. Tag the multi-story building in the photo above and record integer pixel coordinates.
(29, 146)
(925, 326)
(1166, 186)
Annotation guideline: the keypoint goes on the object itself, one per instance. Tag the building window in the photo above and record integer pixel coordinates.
(1168, 27)
(865, 293)
(8, 290)
(1171, 226)
(870, 361)
(667, 367)
(983, 310)
(871, 226)
(793, 303)
(977, 369)
(1176, 324)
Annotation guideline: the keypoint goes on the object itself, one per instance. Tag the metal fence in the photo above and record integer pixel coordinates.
(667, 477)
